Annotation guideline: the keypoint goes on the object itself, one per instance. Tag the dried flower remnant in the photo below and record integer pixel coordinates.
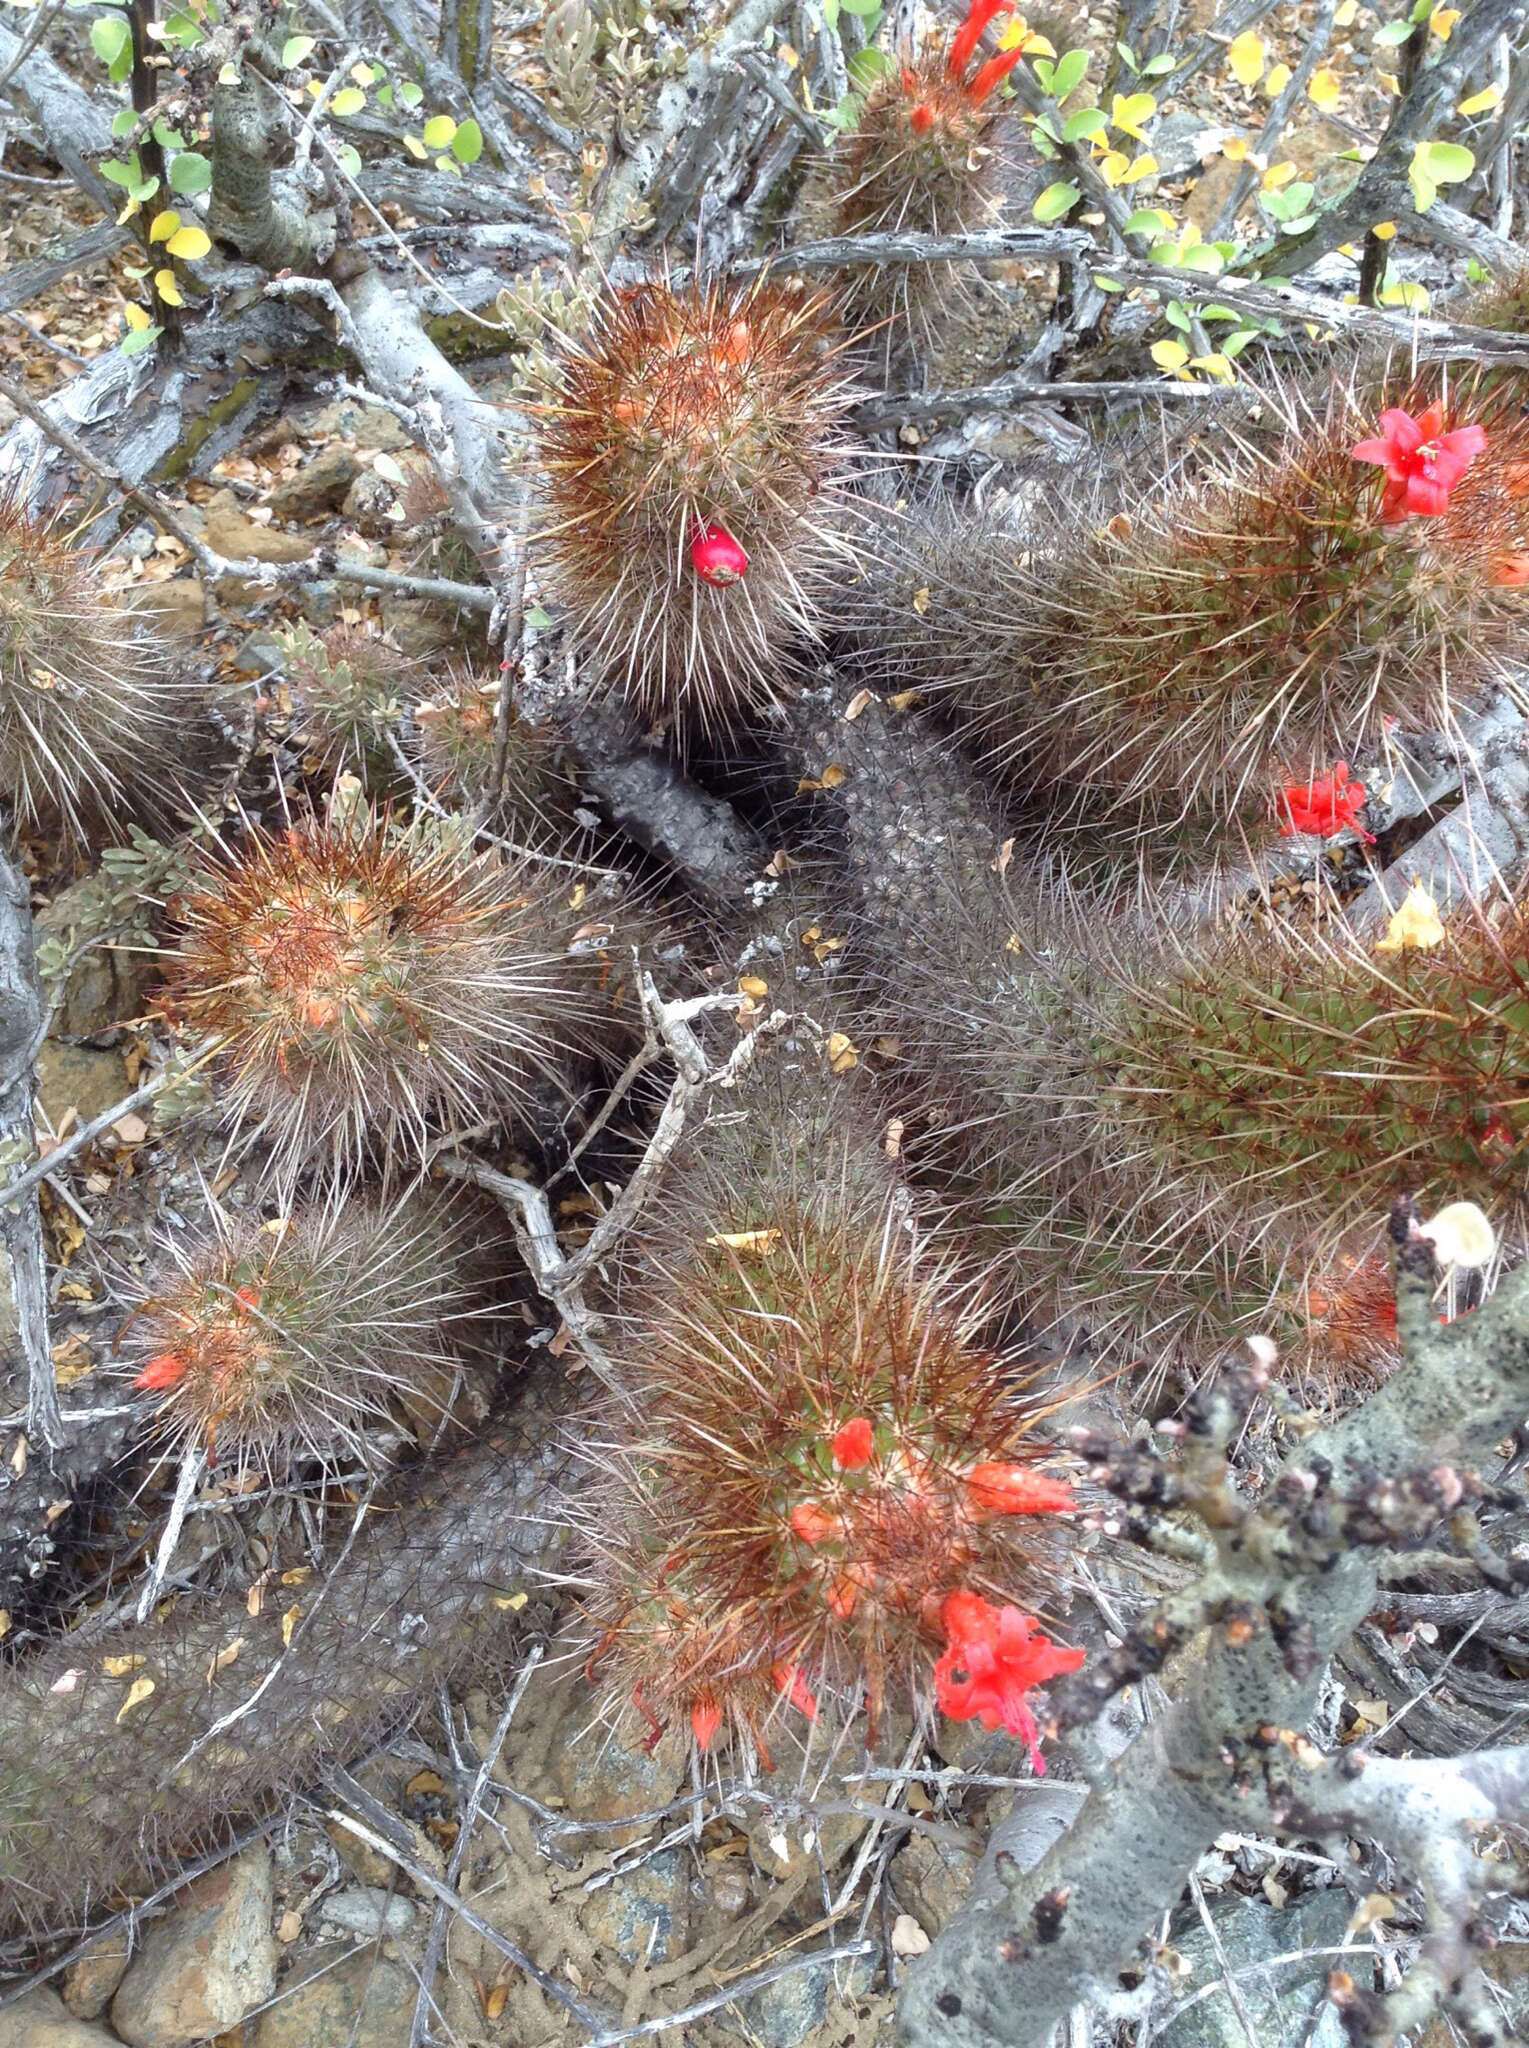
(1422, 461)
(1325, 806)
(993, 1659)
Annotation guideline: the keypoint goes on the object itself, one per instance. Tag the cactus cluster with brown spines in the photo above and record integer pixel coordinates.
(306, 1337)
(90, 698)
(363, 980)
(1183, 657)
(694, 453)
(350, 687)
(825, 1453)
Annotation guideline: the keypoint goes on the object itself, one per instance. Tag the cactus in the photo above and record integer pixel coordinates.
(364, 979)
(826, 1454)
(1183, 658)
(692, 448)
(454, 744)
(305, 1338)
(350, 688)
(90, 704)
(922, 157)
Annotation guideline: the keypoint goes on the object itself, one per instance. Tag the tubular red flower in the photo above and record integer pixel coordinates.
(716, 557)
(999, 1489)
(992, 73)
(1324, 807)
(705, 1718)
(969, 34)
(787, 1678)
(852, 1445)
(994, 1656)
(1422, 462)
(163, 1370)
(921, 118)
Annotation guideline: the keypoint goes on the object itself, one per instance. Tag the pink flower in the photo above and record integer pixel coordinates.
(1422, 463)
(994, 1656)
(853, 1444)
(999, 1489)
(716, 557)
(1324, 807)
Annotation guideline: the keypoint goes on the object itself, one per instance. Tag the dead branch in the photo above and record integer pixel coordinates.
(1292, 1578)
(23, 1023)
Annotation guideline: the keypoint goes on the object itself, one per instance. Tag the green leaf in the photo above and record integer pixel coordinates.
(121, 174)
(1449, 163)
(1175, 315)
(1476, 271)
(1067, 74)
(112, 41)
(1087, 121)
(1393, 33)
(295, 49)
(384, 95)
(141, 338)
(830, 15)
(350, 99)
(867, 66)
(1109, 284)
(537, 619)
(348, 158)
(1234, 344)
(190, 173)
(124, 121)
(410, 93)
(438, 131)
(1203, 256)
(1045, 71)
(1159, 66)
(860, 7)
(467, 143)
(1219, 312)
(1126, 55)
(1056, 200)
(1299, 225)
(1149, 220)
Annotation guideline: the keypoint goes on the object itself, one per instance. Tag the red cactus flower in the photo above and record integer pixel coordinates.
(163, 1370)
(787, 1678)
(993, 1657)
(853, 1444)
(998, 1489)
(814, 1524)
(993, 71)
(716, 557)
(921, 118)
(1422, 463)
(969, 34)
(705, 1718)
(1324, 807)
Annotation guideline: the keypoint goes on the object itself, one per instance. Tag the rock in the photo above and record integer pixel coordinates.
(319, 486)
(362, 2001)
(932, 1880)
(369, 503)
(787, 2011)
(1284, 2005)
(367, 1910)
(367, 425)
(231, 532)
(1182, 141)
(42, 2020)
(176, 608)
(212, 1961)
(1213, 185)
(601, 1779)
(641, 1915)
(74, 1077)
(90, 1981)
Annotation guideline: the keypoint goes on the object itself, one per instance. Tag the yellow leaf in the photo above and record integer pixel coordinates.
(1129, 110)
(921, 600)
(1383, 230)
(1169, 355)
(288, 1624)
(438, 131)
(1346, 13)
(1462, 1235)
(745, 1240)
(751, 985)
(1013, 33)
(1442, 20)
(1277, 80)
(1323, 89)
(163, 225)
(1481, 102)
(137, 1693)
(1414, 922)
(509, 1603)
(415, 147)
(167, 288)
(119, 1667)
(1142, 167)
(1276, 176)
(841, 1053)
(190, 243)
(1038, 46)
(1217, 366)
(1247, 57)
(1390, 81)
(350, 99)
(221, 1659)
(1113, 166)
(1235, 148)
(832, 775)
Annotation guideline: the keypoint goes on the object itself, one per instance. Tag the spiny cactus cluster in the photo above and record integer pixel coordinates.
(1184, 655)
(828, 1499)
(91, 704)
(349, 688)
(305, 1337)
(694, 450)
(364, 979)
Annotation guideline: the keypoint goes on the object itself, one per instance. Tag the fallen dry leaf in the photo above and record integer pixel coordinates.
(137, 1693)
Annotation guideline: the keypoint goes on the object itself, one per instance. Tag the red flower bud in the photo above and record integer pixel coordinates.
(162, 1371)
(814, 1525)
(999, 1489)
(716, 557)
(853, 1444)
(705, 1719)
(921, 118)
